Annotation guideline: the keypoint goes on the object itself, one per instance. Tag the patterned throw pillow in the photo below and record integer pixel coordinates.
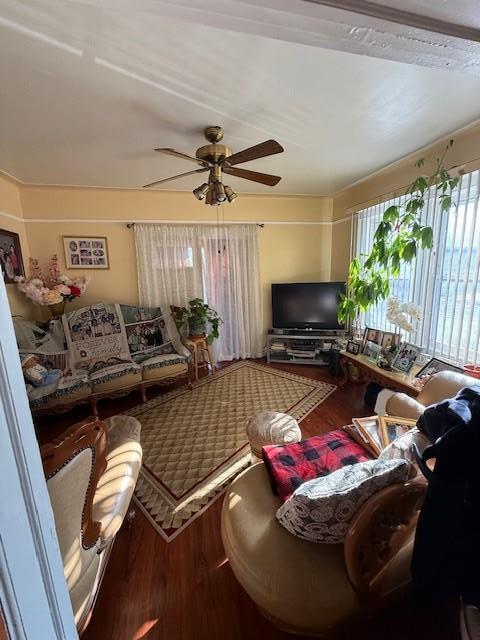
(320, 510)
(147, 332)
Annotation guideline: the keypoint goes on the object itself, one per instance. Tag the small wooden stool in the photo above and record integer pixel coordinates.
(201, 353)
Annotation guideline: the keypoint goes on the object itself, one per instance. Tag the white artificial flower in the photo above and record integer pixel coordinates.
(398, 313)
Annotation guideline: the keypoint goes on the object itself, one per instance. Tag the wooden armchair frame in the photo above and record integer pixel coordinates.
(90, 433)
(382, 527)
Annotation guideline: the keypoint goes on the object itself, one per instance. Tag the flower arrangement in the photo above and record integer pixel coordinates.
(398, 313)
(54, 289)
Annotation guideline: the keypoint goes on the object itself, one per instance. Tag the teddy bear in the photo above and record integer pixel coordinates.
(36, 374)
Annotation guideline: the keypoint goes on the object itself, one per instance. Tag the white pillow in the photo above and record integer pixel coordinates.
(320, 510)
(402, 446)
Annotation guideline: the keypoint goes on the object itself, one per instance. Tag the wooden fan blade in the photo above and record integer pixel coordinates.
(263, 178)
(267, 148)
(180, 175)
(178, 154)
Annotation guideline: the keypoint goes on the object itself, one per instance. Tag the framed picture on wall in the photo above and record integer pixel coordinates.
(86, 252)
(11, 262)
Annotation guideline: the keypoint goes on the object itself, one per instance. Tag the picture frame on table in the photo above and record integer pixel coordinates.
(406, 357)
(435, 365)
(86, 252)
(393, 427)
(353, 347)
(371, 350)
(390, 339)
(11, 261)
(372, 335)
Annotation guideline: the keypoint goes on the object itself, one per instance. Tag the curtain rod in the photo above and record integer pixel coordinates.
(131, 225)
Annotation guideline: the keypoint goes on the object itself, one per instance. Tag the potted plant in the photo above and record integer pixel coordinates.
(397, 239)
(200, 319)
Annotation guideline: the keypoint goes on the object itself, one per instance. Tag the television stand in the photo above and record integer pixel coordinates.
(301, 346)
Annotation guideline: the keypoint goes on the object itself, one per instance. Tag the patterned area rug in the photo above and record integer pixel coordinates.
(194, 442)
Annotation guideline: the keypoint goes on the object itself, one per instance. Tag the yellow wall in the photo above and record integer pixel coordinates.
(393, 181)
(288, 252)
(11, 220)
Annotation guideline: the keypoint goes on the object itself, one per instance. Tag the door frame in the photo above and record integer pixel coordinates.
(33, 593)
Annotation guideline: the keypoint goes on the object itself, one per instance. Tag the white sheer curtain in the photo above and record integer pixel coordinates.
(217, 263)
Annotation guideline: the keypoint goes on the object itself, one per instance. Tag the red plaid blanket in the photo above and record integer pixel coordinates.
(292, 464)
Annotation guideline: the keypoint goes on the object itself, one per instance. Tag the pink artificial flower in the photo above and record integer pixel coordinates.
(35, 270)
(63, 289)
(54, 271)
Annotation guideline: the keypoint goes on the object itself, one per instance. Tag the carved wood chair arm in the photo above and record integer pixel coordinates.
(383, 525)
(91, 433)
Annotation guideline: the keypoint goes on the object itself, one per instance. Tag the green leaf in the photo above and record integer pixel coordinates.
(426, 237)
(391, 214)
(409, 250)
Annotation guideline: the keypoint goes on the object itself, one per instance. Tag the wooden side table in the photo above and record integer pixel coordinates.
(371, 373)
(201, 353)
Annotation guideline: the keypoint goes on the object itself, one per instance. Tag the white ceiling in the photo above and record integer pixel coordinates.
(87, 91)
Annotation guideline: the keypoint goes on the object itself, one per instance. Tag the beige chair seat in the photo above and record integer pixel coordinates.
(116, 377)
(115, 486)
(301, 585)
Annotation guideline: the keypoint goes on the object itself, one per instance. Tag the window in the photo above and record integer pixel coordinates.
(444, 281)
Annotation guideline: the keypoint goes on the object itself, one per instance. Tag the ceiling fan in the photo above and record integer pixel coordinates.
(218, 159)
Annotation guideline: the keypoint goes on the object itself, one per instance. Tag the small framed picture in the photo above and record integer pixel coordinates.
(371, 430)
(353, 347)
(11, 262)
(371, 350)
(393, 427)
(435, 365)
(373, 335)
(405, 358)
(86, 253)
(389, 339)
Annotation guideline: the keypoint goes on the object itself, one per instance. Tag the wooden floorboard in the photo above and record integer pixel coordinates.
(185, 590)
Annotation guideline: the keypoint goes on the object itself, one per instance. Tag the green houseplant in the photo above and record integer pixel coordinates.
(397, 239)
(199, 318)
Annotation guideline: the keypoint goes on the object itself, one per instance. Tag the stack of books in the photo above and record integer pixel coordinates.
(377, 432)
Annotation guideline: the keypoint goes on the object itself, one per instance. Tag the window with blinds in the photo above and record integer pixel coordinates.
(443, 281)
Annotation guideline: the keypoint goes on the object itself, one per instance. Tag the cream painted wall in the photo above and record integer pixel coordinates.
(11, 220)
(393, 181)
(288, 252)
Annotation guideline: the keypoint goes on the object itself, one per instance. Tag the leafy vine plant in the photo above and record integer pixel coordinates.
(397, 239)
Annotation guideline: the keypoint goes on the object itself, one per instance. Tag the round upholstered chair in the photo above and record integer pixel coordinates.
(271, 427)
(311, 588)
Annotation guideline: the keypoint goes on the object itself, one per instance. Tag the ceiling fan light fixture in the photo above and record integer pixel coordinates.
(201, 191)
(210, 199)
(220, 194)
(230, 193)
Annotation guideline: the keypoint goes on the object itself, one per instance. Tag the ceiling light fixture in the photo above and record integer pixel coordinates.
(220, 192)
(201, 191)
(230, 193)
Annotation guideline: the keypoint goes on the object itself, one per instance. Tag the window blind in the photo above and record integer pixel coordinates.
(443, 281)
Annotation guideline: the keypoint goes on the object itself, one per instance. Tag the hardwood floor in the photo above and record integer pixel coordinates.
(185, 590)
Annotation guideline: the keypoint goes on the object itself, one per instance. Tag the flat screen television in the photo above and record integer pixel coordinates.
(307, 305)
